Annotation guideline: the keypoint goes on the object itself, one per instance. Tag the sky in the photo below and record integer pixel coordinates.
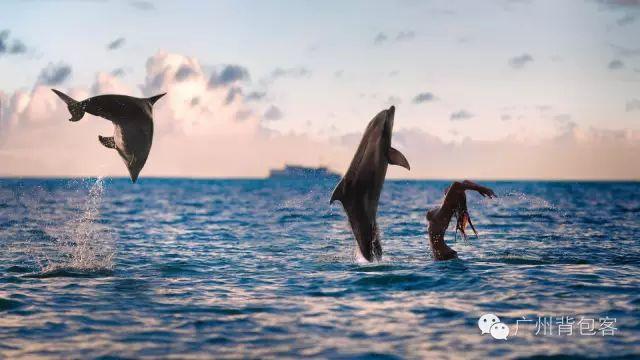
(537, 89)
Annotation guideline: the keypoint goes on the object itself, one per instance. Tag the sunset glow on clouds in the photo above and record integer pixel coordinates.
(226, 115)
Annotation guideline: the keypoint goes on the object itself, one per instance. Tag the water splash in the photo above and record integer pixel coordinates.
(81, 244)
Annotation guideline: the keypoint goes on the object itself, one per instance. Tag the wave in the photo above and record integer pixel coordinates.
(391, 279)
(70, 272)
(8, 304)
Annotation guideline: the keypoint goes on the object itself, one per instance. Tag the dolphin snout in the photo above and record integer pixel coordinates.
(389, 121)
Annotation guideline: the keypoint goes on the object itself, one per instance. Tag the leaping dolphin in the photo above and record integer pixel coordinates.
(359, 189)
(132, 120)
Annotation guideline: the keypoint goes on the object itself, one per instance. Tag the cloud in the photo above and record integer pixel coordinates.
(505, 117)
(118, 72)
(405, 35)
(565, 122)
(393, 100)
(18, 47)
(562, 118)
(627, 19)
(633, 105)
(380, 38)
(242, 115)
(543, 108)
(255, 96)
(13, 47)
(338, 73)
(630, 9)
(575, 153)
(184, 72)
(518, 62)
(194, 130)
(295, 72)
(232, 94)
(423, 97)
(157, 84)
(54, 74)
(618, 4)
(512, 5)
(460, 115)
(284, 73)
(142, 5)
(116, 44)
(273, 113)
(624, 51)
(108, 84)
(229, 75)
(615, 64)
(178, 116)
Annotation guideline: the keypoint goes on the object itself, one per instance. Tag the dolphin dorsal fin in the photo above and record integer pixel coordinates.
(108, 142)
(338, 192)
(395, 157)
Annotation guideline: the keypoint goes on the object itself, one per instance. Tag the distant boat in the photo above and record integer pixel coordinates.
(301, 172)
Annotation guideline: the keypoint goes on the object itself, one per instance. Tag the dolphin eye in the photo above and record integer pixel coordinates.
(493, 320)
(485, 320)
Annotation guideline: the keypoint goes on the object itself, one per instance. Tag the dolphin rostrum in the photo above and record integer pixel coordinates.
(359, 189)
(132, 120)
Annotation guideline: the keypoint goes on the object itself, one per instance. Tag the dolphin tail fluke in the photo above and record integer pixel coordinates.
(338, 192)
(153, 99)
(76, 108)
(395, 157)
(365, 231)
(108, 142)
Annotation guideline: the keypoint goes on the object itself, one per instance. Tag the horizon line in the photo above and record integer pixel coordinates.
(156, 177)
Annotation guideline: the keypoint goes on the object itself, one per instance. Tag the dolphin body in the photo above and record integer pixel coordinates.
(132, 120)
(359, 190)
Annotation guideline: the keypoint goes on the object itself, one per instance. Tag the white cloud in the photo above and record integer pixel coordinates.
(215, 138)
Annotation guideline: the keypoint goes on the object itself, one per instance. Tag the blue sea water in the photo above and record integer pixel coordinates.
(102, 268)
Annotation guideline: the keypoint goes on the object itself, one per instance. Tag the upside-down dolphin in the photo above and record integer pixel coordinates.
(359, 189)
(132, 120)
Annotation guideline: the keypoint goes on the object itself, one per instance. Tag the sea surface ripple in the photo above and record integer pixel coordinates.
(101, 268)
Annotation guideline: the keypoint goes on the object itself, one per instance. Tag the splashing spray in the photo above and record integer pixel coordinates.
(81, 244)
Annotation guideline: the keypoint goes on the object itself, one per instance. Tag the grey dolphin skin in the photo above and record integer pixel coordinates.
(132, 119)
(359, 189)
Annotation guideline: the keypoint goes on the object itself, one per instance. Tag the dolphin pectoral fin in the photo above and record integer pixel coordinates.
(107, 142)
(338, 192)
(395, 157)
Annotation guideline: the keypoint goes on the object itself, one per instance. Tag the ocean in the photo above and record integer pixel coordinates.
(183, 268)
